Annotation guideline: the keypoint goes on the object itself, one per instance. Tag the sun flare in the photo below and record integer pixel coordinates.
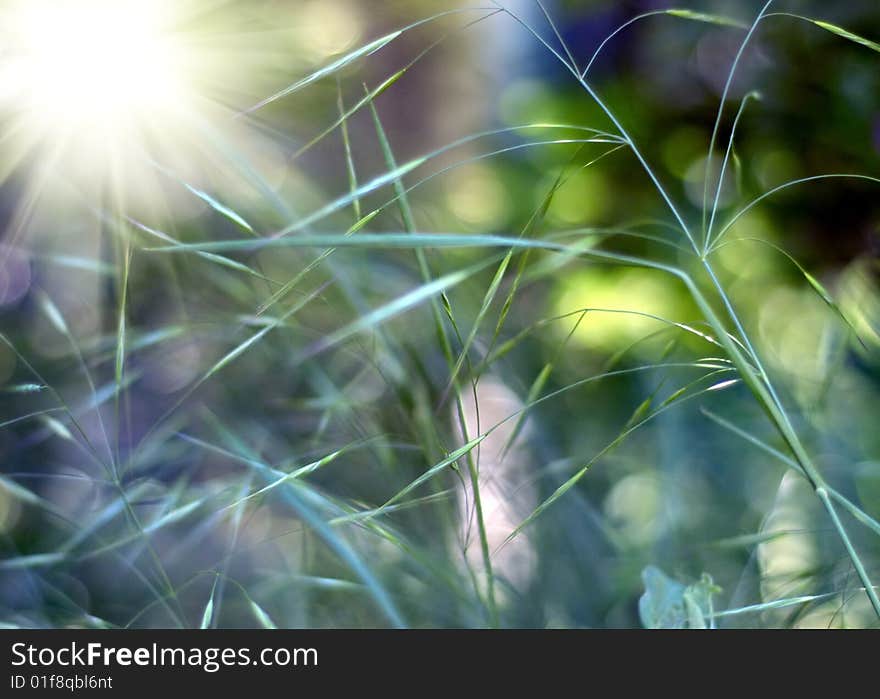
(97, 62)
(95, 69)
(115, 94)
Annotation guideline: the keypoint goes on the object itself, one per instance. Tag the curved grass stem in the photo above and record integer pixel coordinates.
(760, 385)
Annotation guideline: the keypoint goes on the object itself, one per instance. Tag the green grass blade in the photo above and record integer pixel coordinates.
(327, 70)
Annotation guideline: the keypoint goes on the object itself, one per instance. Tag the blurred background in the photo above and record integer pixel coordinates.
(146, 463)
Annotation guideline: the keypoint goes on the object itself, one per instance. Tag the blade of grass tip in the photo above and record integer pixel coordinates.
(357, 515)
(737, 169)
(643, 408)
(706, 17)
(349, 157)
(437, 468)
(399, 305)
(345, 115)
(208, 614)
(833, 28)
(57, 427)
(163, 599)
(119, 367)
(102, 269)
(221, 209)
(24, 388)
(751, 540)
(384, 85)
(409, 224)
(231, 155)
(327, 70)
(208, 256)
(35, 560)
(775, 604)
(263, 619)
(297, 473)
(721, 104)
(341, 202)
(352, 56)
(260, 614)
(846, 34)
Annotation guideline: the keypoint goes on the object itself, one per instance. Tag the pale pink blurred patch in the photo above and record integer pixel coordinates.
(507, 494)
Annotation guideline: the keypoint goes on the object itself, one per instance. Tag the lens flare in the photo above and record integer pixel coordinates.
(96, 63)
(118, 98)
(90, 74)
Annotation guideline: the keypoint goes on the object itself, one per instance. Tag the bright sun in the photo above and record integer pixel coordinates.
(128, 98)
(92, 76)
(96, 61)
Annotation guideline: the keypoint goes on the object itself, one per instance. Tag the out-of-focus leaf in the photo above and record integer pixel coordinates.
(669, 604)
(662, 604)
